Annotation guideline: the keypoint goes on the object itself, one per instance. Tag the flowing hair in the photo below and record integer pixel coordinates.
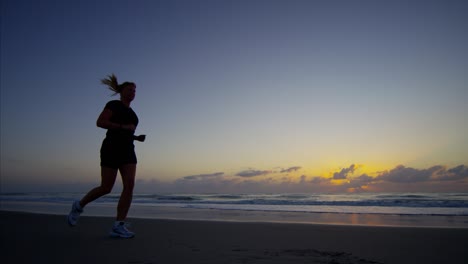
(113, 85)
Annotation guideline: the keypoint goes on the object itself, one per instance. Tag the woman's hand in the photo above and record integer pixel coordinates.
(140, 138)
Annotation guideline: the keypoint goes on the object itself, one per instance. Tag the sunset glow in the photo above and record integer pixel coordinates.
(240, 96)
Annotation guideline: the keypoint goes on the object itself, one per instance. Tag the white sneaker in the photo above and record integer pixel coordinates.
(120, 230)
(74, 214)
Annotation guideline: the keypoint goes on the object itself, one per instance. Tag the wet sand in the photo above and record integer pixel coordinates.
(186, 213)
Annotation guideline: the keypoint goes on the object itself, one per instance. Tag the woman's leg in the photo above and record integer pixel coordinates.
(128, 180)
(108, 176)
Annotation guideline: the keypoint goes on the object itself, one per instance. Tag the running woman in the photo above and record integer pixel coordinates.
(117, 154)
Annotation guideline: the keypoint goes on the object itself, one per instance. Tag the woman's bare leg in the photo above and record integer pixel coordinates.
(108, 176)
(128, 180)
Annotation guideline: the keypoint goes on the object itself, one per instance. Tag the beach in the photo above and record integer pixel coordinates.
(42, 238)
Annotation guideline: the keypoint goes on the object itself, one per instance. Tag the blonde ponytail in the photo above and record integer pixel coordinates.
(112, 84)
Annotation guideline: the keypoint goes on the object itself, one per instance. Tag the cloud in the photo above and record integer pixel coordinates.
(343, 174)
(398, 179)
(316, 180)
(360, 181)
(252, 173)
(203, 176)
(201, 183)
(303, 179)
(291, 169)
(453, 174)
(402, 174)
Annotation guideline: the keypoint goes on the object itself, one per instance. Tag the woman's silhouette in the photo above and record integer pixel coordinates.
(117, 154)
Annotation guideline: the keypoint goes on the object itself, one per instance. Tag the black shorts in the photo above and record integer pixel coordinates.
(114, 155)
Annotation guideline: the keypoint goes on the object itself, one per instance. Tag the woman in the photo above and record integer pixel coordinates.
(117, 154)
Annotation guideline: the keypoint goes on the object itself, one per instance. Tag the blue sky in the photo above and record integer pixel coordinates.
(229, 88)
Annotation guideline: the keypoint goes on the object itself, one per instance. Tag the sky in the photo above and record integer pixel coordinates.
(239, 96)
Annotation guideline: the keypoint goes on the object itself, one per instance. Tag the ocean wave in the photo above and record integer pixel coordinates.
(385, 202)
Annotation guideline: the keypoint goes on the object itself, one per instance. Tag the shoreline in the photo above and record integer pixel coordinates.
(28, 238)
(186, 213)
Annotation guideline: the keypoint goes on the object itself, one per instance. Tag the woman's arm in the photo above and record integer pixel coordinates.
(103, 121)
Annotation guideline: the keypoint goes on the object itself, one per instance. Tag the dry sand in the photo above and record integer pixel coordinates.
(38, 238)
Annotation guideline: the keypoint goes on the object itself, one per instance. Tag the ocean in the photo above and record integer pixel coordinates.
(449, 207)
